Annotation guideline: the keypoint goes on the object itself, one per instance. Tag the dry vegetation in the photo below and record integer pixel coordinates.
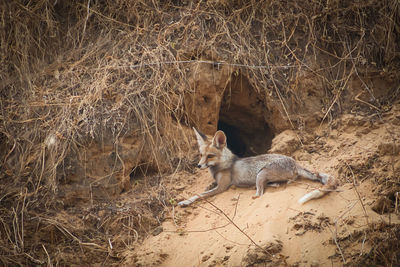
(75, 73)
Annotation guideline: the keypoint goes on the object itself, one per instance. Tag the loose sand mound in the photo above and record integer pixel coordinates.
(335, 229)
(203, 236)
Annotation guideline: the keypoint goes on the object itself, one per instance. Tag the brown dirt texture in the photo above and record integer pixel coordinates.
(97, 104)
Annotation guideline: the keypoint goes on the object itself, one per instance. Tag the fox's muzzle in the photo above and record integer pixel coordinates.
(202, 166)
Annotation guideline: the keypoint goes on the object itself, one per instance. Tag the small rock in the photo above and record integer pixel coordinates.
(158, 230)
(205, 258)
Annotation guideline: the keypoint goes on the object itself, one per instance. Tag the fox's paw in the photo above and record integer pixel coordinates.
(184, 203)
(276, 185)
(211, 186)
(324, 177)
(255, 196)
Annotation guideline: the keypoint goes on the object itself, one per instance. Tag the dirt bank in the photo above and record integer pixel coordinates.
(97, 101)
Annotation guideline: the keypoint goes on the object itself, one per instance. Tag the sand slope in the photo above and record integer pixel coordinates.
(313, 234)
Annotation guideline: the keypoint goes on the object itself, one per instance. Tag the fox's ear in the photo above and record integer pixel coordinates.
(201, 138)
(219, 140)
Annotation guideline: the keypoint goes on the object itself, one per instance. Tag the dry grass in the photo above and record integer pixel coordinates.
(77, 71)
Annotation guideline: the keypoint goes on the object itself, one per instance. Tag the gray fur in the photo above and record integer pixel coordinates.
(259, 170)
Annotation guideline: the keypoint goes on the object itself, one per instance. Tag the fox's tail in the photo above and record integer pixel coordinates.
(329, 184)
(317, 193)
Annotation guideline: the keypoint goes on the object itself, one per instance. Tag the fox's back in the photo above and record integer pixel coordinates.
(280, 168)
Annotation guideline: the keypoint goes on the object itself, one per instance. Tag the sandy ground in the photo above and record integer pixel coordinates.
(302, 235)
(206, 237)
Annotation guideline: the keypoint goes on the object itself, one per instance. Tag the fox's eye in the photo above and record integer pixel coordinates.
(210, 156)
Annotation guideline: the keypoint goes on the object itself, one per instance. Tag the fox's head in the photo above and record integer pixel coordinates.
(212, 152)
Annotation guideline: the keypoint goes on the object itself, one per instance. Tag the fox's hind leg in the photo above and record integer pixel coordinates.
(320, 177)
(268, 177)
(261, 180)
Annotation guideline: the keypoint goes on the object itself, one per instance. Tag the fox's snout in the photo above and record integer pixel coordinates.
(203, 163)
(202, 166)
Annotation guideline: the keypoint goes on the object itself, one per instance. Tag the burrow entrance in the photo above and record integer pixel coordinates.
(242, 117)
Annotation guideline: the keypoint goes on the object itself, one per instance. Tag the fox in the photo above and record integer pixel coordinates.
(227, 169)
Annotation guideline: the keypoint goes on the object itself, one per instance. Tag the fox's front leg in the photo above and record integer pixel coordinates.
(212, 185)
(223, 183)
